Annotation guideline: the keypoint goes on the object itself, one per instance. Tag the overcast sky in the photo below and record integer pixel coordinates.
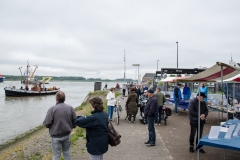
(88, 38)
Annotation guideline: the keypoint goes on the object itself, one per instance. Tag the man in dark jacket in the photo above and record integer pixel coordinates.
(193, 117)
(138, 91)
(177, 95)
(60, 119)
(149, 112)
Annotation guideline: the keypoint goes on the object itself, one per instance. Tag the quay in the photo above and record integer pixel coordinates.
(172, 142)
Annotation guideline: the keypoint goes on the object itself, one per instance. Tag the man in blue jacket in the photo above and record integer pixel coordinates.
(177, 95)
(149, 112)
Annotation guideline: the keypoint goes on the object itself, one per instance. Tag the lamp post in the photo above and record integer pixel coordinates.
(157, 65)
(177, 54)
(138, 70)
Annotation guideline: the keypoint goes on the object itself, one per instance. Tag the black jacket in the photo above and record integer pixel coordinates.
(97, 131)
(193, 111)
(151, 106)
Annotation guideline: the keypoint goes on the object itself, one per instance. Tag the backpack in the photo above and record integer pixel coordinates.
(114, 136)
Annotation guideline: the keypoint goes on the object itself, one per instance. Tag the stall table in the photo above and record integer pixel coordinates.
(221, 142)
(182, 104)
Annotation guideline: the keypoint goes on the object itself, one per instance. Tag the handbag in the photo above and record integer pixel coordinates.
(114, 136)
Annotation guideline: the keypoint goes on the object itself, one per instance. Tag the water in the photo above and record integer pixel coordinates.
(21, 114)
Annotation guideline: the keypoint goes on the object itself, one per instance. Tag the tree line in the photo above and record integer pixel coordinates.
(63, 78)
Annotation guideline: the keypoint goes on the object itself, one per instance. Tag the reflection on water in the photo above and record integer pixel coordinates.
(21, 114)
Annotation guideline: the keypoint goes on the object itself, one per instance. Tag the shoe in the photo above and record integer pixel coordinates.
(191, 149)
(201, 150)
(155, 124)
(150, 145)
(159, 124)
(177, 114)
(146, 142)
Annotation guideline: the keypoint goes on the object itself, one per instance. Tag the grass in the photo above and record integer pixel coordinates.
(36, 156)
(83, 109)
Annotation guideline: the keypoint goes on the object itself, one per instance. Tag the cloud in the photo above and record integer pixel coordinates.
(88, 38)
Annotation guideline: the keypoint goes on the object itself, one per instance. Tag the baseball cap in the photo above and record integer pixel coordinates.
(150, 91)
(201, 94)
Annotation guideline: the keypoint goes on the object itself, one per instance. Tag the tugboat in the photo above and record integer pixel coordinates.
(37, 89)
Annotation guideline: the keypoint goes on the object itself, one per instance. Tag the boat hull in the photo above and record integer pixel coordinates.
(19, 93)
(1, 79)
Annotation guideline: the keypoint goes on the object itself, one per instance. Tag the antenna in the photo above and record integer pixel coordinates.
(124, 66)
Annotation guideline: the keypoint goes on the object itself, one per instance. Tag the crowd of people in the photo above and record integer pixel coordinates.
(61, 118)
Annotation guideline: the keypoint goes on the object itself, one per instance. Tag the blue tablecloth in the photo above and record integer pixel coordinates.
(182, 104)
(232, 144)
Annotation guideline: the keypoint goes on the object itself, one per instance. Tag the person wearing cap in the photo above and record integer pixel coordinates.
(161, 99)
(149, 112)
(177, 95)
(193, 117)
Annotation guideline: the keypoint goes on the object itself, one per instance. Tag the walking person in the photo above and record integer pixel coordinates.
(131, 105)
(193, 117)
(124, 90)
(60, 121)
(161, 99)
(96, 129)
(111, 102)
(149, 112)
(177, 95)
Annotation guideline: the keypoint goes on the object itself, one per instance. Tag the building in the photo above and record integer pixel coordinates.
(148, 77)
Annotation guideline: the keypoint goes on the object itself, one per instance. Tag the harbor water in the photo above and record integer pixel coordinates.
(21, 114)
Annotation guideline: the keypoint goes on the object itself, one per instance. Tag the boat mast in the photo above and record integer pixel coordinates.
(34, 71)
(26, 83)
(124, 66)
(21, 74)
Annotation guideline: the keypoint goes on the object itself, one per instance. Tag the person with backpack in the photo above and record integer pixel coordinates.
(96, 129)
(161, 99)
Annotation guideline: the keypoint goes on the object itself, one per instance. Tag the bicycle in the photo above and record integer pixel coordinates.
(118, 110)
(164, 115)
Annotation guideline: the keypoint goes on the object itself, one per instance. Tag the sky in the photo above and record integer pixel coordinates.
(88, 38)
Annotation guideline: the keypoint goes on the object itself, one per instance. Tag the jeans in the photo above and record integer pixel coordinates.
(176, 106)
(151, 130)
(194, 128)
(158, 115)
(124, 90)
(110, 111)
(63, 143)
(96, 157)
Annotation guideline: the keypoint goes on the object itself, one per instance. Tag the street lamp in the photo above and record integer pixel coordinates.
(177, 54)
(157, 65)
(138, 70)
